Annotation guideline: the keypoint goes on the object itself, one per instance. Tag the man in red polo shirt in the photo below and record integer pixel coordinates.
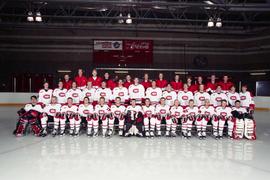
(161, 82)
(191, 87)
(226, 84)
(67, 82)
(177, 84)
(211, 86)
(146, 82)
(80, 79)
(96, 81)
(128, 81)
(110, 83)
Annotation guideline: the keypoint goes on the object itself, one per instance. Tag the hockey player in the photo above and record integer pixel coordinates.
(95, 79)
(190, 115)
(232, 96)
(51, 112)
(74, 93)
(206, 112)
(177, 84)
(86, 112)
(80, 80)
(184, 96)
(103, 91)
(163, 117)
(176, 114)
(70, 112)
(121, 92)
(170, 95)
(29, 115)
(60, 93)
(212, 85)
(201, 96)
(45, 95)
(217, 96)
(223, 114)
(133, 119)
(146, 82)
(246, 99)
(136, 91)
(89, 92)
(101, 113)
(154, 93)
(117, 114)
(149, 118)
(161, 82)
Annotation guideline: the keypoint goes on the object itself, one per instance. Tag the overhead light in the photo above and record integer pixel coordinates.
(159, 7)
(210, 22)
(257, 74)
(30, 16)
(103, 9)
(209, 2)
(120, 21)
(63, 71)
(180, 72)
(38, 17)
(129, 20)
(121, 72)
(218, 23)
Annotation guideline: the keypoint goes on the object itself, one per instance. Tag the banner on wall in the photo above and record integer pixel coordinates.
(123, 51)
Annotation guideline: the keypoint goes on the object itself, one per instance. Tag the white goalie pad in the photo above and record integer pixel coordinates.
(250, 129)
(238, 130)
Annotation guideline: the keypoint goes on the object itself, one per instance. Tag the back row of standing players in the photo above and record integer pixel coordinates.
(157, 101)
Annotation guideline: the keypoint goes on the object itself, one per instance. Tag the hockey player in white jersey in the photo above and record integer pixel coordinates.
(29, 115)
(51, 113)
(223, 114)
(206, 113)
(217, 96)
(121, 91)
(117, 114)
(86, 112)
(154, 93)
(170, 95)
(134, 119)
(190, 115)
(149, 118)
(232, 96)
(89, 92)
(45, 95)
(201, 96)
(184, 96)
(246, 99)
(163, 117)
(70, 112)
(176, 113)
(60, 93)
(74, 93)
(104, 92)
(136, 91)
(101, 113)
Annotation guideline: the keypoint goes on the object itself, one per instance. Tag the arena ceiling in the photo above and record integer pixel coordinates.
(170, 16)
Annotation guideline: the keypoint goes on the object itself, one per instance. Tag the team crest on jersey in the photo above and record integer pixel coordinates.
(75, 95)
(233, 97)
(117, 112)
(46, 96)
(207, 113)
(136, 90)
(61, 94)
(223, 114)
(218, 99)
(162, 111)
(120, 94)
(102, 94)
(69, 112)
(148, 112)
(85, 111)
(185, 97)
(177, 113)
(88, 94)
(154, 93)
(243, 97)
(101, 111)
(192, 113)
(169, 97)
(52, 111)
(201, 98)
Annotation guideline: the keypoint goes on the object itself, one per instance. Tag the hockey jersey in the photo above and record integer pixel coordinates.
(154, 94)
(102, 110)
(44, 96)
(36, 107)
(121, 92)
(118, 110)
(136, 91)
(84, 111)
(216, 99)
(184, 97)
(149, 110)
(103, 92)
(177, 111)
(52, 109)
(232, 97)
(61, 95)
(225, 112)
(90, 93)
(200, 98)
(246, 99)
(170, 97)
(135, 109)
(75, 94)
(208, 111)
(162, 110)
(69, 109)
(191, 111)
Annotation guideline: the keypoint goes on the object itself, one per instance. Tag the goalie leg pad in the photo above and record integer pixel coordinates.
(250, 129)
(238, 129)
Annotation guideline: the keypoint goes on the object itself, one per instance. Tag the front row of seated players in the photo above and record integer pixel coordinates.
(135, 119)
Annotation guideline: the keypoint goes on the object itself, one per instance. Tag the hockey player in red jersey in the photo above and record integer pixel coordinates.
(177, 84)
(154, 93)
(29, 115)
(67, 82)
(80, 79)
(117, 115)
(70, 112)
(95, 79)
(60, 93)
(45, 95)
(176, 113)
(74, 93)
(161, 82)
(163, 116)
(146, 82)
(225, 84)
(51, 113)
(86, 111)
(211, 86)
(149, 118)
(128, 81)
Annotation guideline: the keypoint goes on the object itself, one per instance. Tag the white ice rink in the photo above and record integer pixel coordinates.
(80, 158)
